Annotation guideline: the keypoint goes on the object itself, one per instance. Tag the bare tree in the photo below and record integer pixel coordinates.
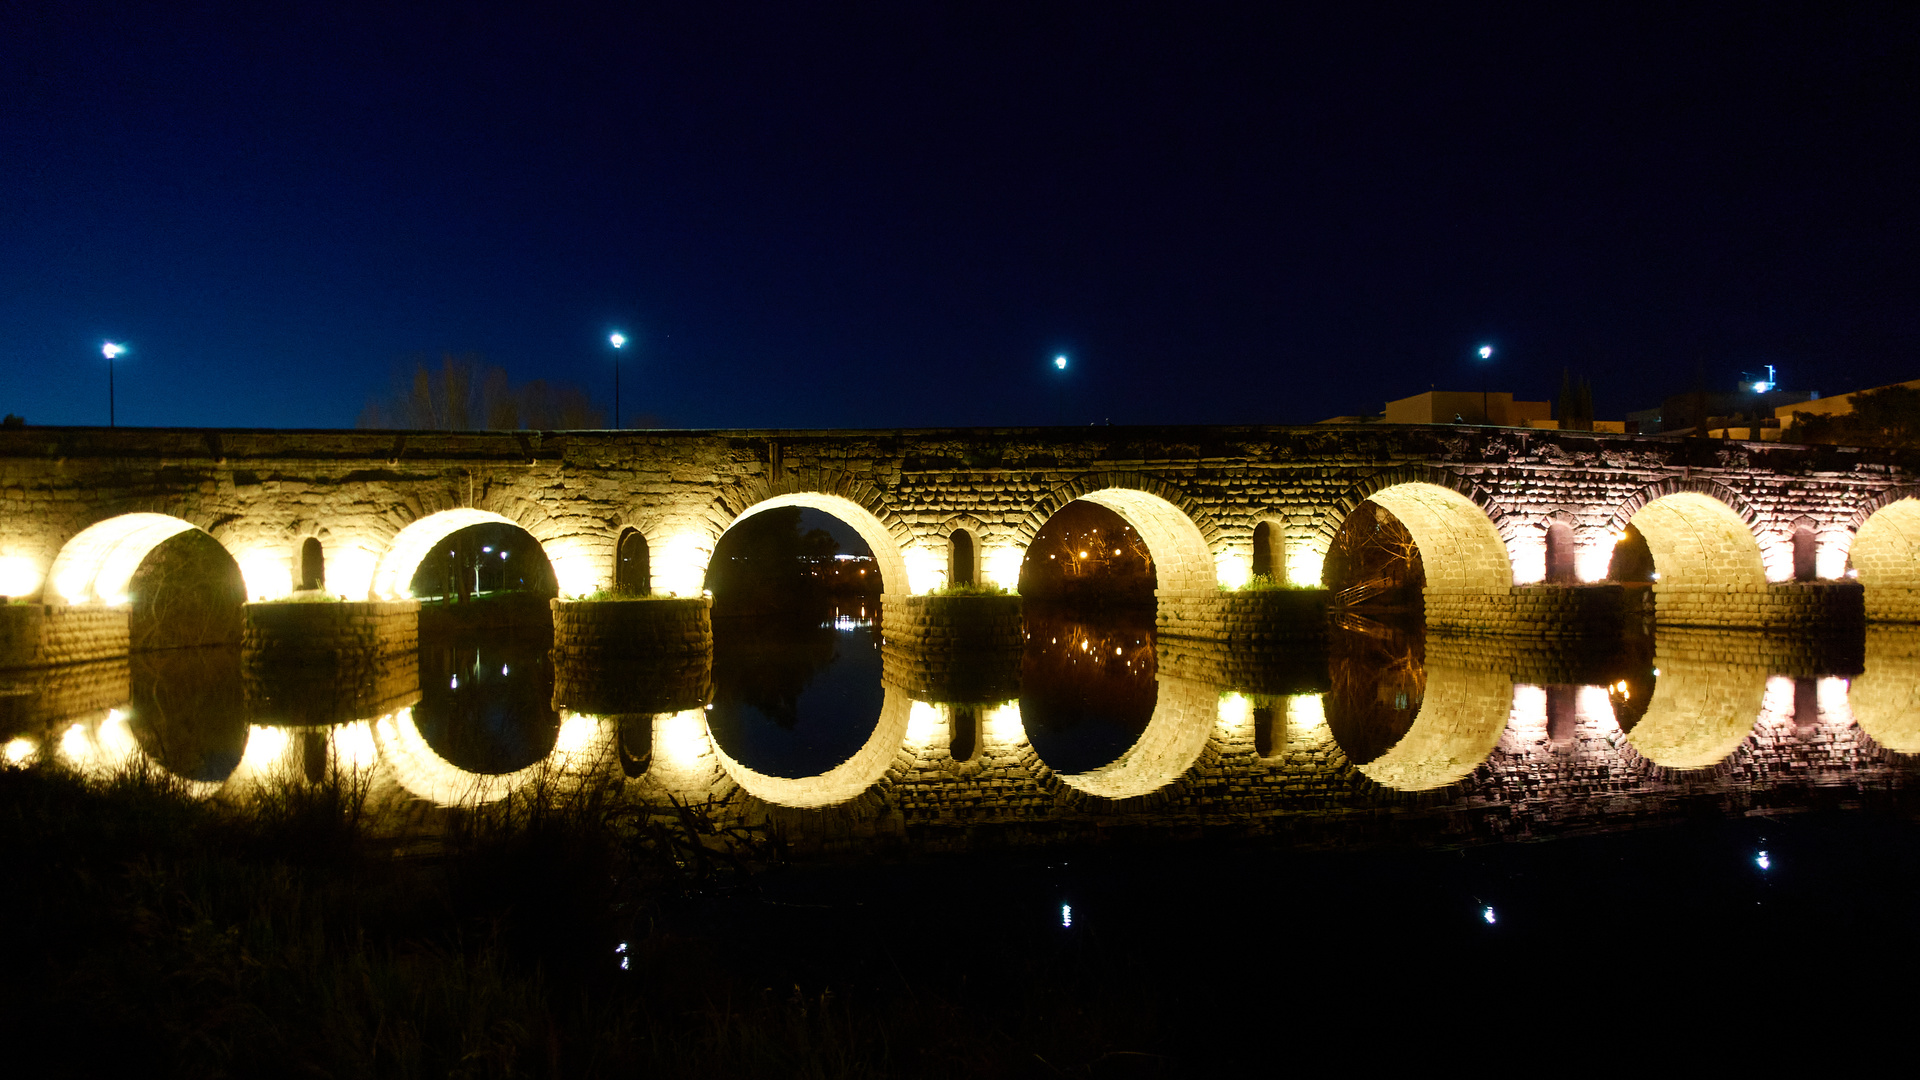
(465, 389)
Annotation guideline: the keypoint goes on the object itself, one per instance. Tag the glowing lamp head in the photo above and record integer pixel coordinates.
(1060, 362)
(1486, 352)
(618, 341)
(111, 350)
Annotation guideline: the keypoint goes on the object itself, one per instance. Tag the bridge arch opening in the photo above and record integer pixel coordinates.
(424, 545)
(1698, 541)
(1124, 540)
(1886, 557)
(889, 562)
(1417, 535)
(632, 564)
(842, 783)
(182, 587)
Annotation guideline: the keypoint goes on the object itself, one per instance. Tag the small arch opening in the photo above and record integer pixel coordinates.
(1805, 554)
(1560, 554)
(632, 567)
(964, 742)
(1267, 546)
(961, 561)
(313, 564)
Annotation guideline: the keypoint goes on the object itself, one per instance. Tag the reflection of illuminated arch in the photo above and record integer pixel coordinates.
(1168, 523)
(1700, 712)
(1885, 699)
(393, 578)
(1886, 553)
(1184, 715)
(100, 561)
(842, 783)
(1461, 716)
(1451, 522)
(584, 743)
(680, 559)
(1700, 533)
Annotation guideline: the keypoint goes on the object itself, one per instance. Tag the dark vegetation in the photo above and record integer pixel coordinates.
(466, 392)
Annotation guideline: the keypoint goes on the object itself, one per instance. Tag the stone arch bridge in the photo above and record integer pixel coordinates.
(1742, 534)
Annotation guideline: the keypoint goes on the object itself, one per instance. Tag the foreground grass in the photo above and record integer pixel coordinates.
(156, 932)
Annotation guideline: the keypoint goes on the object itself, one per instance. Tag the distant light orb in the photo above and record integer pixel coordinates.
(617, 340)
(1487, 914)
(1060, 362)
(111, 350)
(1486, 352)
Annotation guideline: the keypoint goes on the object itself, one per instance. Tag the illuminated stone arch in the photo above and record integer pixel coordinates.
(392, 575)
(1189, 555)
(1462, 714)
(98, 563)
(1466, 542)
(844, 782)
(585, 745)
(683, 549)
(1702, 534)
(1886, 555)
(1185, 714)
(960, 533)
(1700, 711)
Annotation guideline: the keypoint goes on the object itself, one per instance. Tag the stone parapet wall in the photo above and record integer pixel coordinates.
(1777, 606)
(1532, 611)
(1251, 618)
(931, 625)
(293, 629)
(44, 635)
(639, 628)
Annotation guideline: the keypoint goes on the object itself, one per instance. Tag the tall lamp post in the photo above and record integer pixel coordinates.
(110, 351)
(618, 341)
(1486, 354)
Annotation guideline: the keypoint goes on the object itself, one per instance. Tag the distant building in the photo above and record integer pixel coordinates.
(1704, 412)
(1837, 405)
(1496, 408)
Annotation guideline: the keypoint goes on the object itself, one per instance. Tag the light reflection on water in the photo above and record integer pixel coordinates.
(814, 712)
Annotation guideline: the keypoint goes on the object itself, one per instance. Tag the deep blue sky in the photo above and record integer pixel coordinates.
(878, 215)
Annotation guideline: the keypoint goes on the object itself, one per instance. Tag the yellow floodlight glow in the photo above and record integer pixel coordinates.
(1000, 565)
(1233, 569)
(268, 574)
(100, 561)
(19, 575)
(925, 722)
(1234, 714)
(19, 750)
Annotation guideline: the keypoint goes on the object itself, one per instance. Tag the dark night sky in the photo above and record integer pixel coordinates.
(881, 215)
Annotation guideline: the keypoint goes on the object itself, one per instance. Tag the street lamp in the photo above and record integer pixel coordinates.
(619, 341)
(1060, 362)
(110, 350)
(1486, 353)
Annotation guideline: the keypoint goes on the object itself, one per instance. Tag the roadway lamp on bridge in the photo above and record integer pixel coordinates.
(112, 351)
(619, 341)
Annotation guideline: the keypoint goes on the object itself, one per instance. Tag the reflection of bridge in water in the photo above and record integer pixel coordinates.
(1467, 739)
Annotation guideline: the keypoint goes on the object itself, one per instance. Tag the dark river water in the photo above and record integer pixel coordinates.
(1688, 779)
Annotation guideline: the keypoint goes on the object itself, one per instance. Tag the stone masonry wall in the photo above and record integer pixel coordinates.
(1540, 611)
(637, 628)
(293, 629)
(261, 493)
(1784, 606)
(40, 635)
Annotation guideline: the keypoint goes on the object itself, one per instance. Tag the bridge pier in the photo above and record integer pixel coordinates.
(1527, 611)
(1791, 605)
(50, 635)
(952, 624)
(619, 632)
(1251, 617)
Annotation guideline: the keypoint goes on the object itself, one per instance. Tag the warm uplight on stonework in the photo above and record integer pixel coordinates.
(100, 562)
(1234, 716)
(1306, 565)
(20, 751)
(19, 575)
(1000, 565)
(350, 572)
(1528, 553)
(1593, 555)
(680, 741)
(271, 755)
(680, 566)
(1830, 556)
(576, 570)
(353, 746)
(1528, 720)
(268, 574)
(1233, 568)
(926, 569)
(1306, 717)
(1002, 726)
(925, 723)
